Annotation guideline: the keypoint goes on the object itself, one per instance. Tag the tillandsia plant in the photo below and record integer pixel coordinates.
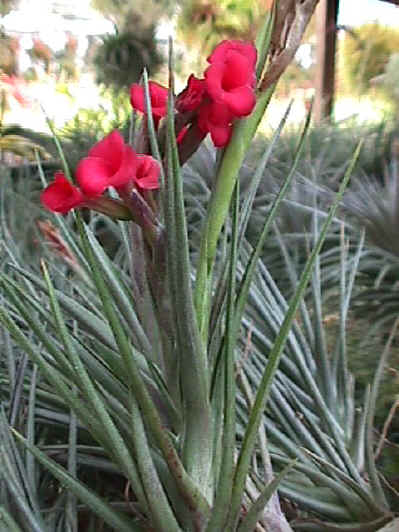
(143, 360)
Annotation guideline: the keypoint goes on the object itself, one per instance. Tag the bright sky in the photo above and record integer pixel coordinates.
(357, 12)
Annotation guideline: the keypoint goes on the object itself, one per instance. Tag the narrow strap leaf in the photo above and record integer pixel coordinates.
(93, 501)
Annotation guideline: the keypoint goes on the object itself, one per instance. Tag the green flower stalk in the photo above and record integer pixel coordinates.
(276, 44)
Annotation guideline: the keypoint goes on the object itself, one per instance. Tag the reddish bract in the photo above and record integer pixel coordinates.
(192, 96)
(61, 196)
(158, 97)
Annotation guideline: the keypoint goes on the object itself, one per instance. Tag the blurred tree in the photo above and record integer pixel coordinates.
(66, 58)
(388, 82)
(203, 23)
(41, 53)
(9, 47)
(121, 58)
(365, 51)
(123, 13)
(7, 5)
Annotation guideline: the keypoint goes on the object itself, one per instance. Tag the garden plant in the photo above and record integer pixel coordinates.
(155, 377)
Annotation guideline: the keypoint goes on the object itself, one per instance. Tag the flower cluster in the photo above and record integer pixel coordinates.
(109, 163)
(207, 105)
(213, 103)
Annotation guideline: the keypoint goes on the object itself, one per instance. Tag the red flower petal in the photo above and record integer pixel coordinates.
(93, 175)
(240, 101)
(230, 74)
(217, 120)
(126, 169)
(110, 163)
(61, 196)
(137, 97)
(147, 172)
(221, 135)
(247, 49)
(158, 96)
(159, 99)
(111, 149)
(230, 79)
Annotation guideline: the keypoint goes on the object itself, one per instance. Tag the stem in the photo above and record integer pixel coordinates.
(218, 208)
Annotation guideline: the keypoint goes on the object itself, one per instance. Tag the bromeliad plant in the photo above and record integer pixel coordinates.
(145, 358)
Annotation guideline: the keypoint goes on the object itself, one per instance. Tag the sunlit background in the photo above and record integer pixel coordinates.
(70, 56)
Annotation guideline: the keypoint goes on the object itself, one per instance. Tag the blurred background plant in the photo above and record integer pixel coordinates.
(41, 54)
(6, 6)
(66, 59)
(365, 53)
(121, 58)
(203, 24)
(9, 47)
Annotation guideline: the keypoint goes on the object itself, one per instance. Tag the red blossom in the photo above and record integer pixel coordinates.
(158, 96)
(230, 78)
(110, 163)
(217, 120)
(147, 172)
(247, 49)
(192, 96)
(61, 196)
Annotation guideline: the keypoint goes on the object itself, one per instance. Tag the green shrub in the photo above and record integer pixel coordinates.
(365, 53)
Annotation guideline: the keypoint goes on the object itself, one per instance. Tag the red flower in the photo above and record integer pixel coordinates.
(61, 196)
(216, 119)
(110, 163)
(230, 78)
(147, 172)
(158, 96)
(192, 96)
(247, 49)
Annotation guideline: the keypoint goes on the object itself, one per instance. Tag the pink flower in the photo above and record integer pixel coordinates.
(147, 172)
(216, 119)
(61, 196)
(158, 96)
(192, 96)
(110, 163)
(230, 78)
